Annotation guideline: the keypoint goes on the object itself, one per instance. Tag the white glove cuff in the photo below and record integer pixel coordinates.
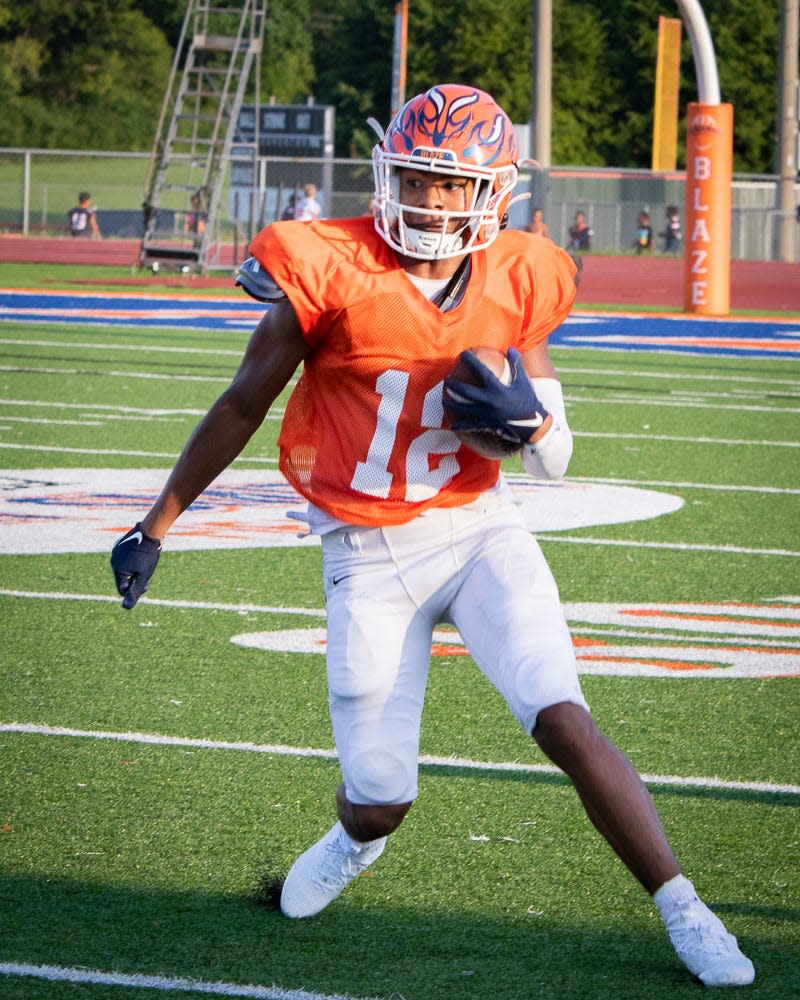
(549, 457)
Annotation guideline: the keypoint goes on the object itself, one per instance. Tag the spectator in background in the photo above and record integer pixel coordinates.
(83, 218)
(289, 211)
(580, 234)
(308, 209)
(672, 235)
(644, 233)
(537, 224)
(196, 219)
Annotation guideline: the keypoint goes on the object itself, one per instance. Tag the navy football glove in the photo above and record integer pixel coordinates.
(133, 560)
(510, 412)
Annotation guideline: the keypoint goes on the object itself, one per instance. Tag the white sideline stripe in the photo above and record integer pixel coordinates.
(668, 484)
(88, 451)
(730, 380)
(282, 750)
(51, 421)
(146, 411)
(119, 451)
(701, 404)
(685, 439)
(194, 605)
(57, 973)
(35, 370)
(135, 348)
(677, 546)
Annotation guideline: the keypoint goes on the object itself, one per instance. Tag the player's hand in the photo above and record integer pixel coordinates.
(513, 412)
(133, 560)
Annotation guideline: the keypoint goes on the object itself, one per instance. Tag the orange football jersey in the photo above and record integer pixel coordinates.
(362, 436)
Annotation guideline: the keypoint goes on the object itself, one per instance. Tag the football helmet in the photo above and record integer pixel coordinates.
(455, 130)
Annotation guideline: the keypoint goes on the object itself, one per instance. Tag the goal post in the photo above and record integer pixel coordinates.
(709, 177)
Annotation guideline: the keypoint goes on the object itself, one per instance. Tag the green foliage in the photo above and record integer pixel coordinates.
(287, 66)
(165, 14)
(81, 74)
(746, 43)
(353, 55)
(586, 98)
(84, 73)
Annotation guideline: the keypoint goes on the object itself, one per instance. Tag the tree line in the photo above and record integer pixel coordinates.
(86, 74)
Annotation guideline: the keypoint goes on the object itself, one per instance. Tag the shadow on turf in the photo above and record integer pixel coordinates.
(357, 946)
(562, 781)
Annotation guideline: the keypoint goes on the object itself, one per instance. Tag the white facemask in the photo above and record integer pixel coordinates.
(432, 244)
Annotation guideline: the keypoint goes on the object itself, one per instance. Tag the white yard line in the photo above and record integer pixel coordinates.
(618, 399)
(118, 451)
(686, 439)
(192, 605)
(148, 411)
(673, 485)
(126, 346)
(729, 380)
(460, 763)
(35, 370)
(675, 546)
(94, 977)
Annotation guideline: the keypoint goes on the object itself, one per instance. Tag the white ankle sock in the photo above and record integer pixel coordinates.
(673, 893)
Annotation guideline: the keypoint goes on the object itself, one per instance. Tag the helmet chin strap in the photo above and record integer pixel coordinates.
(425, 242)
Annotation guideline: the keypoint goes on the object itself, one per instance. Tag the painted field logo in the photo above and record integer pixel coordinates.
(85, 510)
(675, 641)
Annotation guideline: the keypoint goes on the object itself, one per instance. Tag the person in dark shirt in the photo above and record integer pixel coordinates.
(83, 218)
(672, 235)
(580, 234)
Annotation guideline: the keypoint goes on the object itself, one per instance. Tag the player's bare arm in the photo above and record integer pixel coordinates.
(273, 353)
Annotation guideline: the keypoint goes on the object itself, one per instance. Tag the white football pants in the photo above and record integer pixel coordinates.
(478, 567)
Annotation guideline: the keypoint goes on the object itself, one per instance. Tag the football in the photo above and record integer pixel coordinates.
(485, 443)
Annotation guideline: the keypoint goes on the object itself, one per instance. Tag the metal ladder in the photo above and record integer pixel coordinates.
(220, 45)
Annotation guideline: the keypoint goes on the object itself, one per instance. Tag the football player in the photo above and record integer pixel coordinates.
(416, 528)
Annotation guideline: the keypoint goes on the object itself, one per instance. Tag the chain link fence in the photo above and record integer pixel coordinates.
(39, 187)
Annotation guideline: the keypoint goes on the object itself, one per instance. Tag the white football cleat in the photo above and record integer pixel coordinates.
(324, 870)
(706, 948)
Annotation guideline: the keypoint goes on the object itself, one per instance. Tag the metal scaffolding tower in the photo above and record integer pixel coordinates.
(219, 48)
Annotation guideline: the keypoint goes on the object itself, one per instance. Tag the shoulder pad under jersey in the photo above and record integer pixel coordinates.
(257, 282)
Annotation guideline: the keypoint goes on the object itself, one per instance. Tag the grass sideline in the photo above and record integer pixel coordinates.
(146, 858)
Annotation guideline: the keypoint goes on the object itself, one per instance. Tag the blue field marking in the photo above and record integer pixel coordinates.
(233, 312)
(754, 338)
(757, 338)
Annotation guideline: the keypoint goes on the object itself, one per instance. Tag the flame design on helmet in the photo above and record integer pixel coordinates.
(451, 129)
(464, 124)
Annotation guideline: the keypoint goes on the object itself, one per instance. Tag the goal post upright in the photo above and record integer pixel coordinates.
(709, 176)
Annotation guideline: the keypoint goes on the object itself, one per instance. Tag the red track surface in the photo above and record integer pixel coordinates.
(658, 281)
(624, 281)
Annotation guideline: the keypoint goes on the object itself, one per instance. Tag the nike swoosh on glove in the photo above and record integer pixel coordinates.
(512, 412)
(134, 559)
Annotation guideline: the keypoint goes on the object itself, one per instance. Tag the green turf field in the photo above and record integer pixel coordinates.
(153, 772)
